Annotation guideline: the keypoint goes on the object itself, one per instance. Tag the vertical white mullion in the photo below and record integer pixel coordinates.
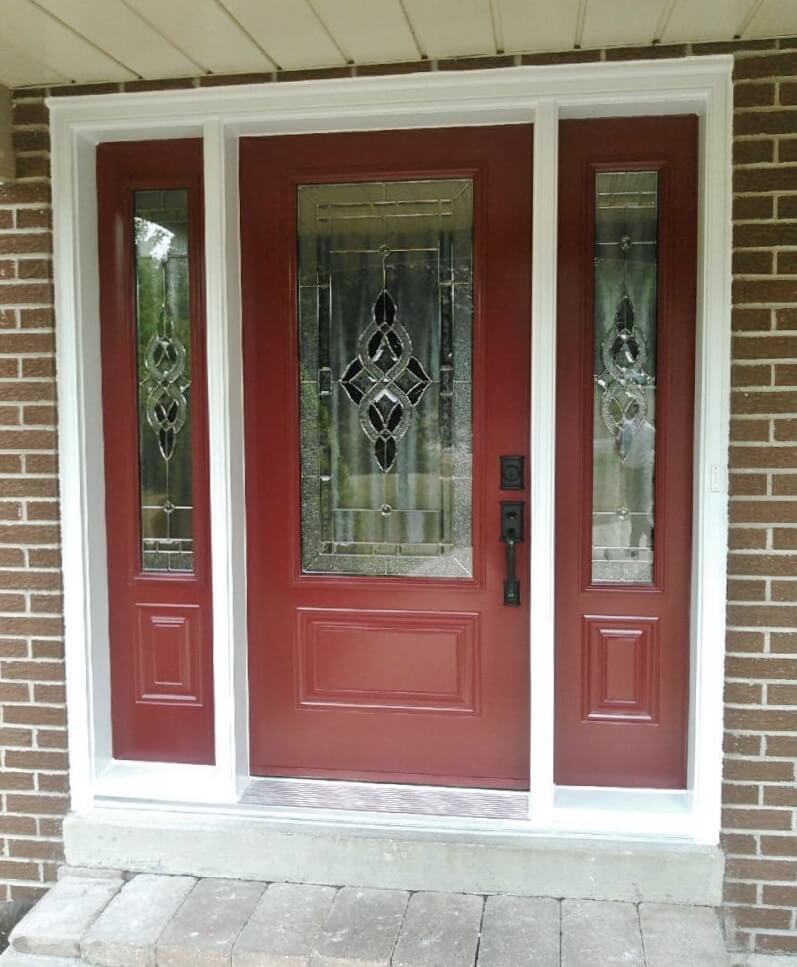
(542, 455)
(225, 446)
(712, 420)
(81, 462)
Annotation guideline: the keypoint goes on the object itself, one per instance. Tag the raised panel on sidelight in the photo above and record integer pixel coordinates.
(620, 669)
(382, 659)
(168, 667)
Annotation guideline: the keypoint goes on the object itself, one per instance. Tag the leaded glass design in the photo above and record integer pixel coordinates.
(626, 283)
(163, 330)
(385, 319)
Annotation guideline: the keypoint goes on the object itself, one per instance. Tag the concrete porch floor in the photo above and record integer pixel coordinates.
(104, 918)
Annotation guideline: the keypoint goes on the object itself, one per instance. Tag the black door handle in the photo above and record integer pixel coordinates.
(511, 535)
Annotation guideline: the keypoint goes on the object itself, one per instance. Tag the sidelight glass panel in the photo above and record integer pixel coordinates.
(624, 420)
(385, 317)
(163, 331)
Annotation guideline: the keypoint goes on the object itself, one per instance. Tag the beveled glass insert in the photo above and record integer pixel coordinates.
(385, 320)
(624, 420)
(163, 333)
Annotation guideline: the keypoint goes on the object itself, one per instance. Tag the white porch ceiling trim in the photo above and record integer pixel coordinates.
(52, 42)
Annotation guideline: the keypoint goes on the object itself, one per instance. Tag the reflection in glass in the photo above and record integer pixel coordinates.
(626, 277)
(163, 330)
(385, 318)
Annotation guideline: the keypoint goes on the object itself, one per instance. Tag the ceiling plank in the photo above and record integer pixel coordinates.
(775, 18)
(121, 32)
(205, 32)
(372, 33)
(539, 25)
(704, 21)
(288, 31)
(19, 70)
(36, 33)
(453, 28)
(620, 23)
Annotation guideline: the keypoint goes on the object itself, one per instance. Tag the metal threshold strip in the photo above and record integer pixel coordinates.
(375, 797)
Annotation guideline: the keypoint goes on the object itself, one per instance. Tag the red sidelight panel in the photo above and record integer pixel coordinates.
(625, 411)
(156, 462)
(386, 676)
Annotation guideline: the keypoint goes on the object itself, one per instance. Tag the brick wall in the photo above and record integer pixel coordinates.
(33, 779)
(761, 672)
(761, 714)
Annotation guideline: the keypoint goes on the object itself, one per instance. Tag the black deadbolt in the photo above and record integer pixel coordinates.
(511, 473)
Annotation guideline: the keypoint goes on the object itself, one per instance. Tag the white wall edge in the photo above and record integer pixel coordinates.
(518, 94)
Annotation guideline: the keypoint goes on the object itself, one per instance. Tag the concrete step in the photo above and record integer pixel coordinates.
(178, 921)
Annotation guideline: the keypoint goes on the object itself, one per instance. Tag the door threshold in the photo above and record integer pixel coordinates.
(373, 797)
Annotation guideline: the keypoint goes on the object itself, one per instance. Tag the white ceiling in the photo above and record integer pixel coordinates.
(62, 41)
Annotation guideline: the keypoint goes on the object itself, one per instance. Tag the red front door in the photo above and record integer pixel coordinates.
(386, 305)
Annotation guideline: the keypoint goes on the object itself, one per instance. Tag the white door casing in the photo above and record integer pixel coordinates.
(541, 95)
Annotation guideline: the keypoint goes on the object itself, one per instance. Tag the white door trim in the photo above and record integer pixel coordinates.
(220, 116)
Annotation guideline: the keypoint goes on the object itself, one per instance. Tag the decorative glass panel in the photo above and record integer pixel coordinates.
(164, 373)
(624, 434)
(385, 314)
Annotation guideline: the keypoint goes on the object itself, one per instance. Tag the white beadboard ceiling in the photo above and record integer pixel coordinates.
(85, 41)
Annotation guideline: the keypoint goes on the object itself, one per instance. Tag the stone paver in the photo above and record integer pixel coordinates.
(56, 924)
(13, 958)
(682, 936)
(361, 929)
(600, 933)
(125, 935)
(284, 927)
(174, 921)
(206, 926)
(520, 932)
(439, 930)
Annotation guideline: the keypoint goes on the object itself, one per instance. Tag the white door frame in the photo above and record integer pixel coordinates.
(538, 95)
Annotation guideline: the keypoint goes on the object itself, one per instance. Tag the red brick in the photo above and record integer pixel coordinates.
(768, 65)
(786, 318)
(30, 112)
(751, 320)
(768, 917)
(755, 869)
(763, 234)
(172, 84)
(752, 206)
(780, 895)
(764, 290)
(782, 745)
(776, 943)
(752, 262)
(474, 63)
(745, 641)
(73, 90)
(759, 94)
(652, 52)
(18, 870)
(313, 75)
(739, 794)
(751, 770)
(37, 805)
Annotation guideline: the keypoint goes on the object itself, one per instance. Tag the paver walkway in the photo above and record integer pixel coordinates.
(93, 918)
